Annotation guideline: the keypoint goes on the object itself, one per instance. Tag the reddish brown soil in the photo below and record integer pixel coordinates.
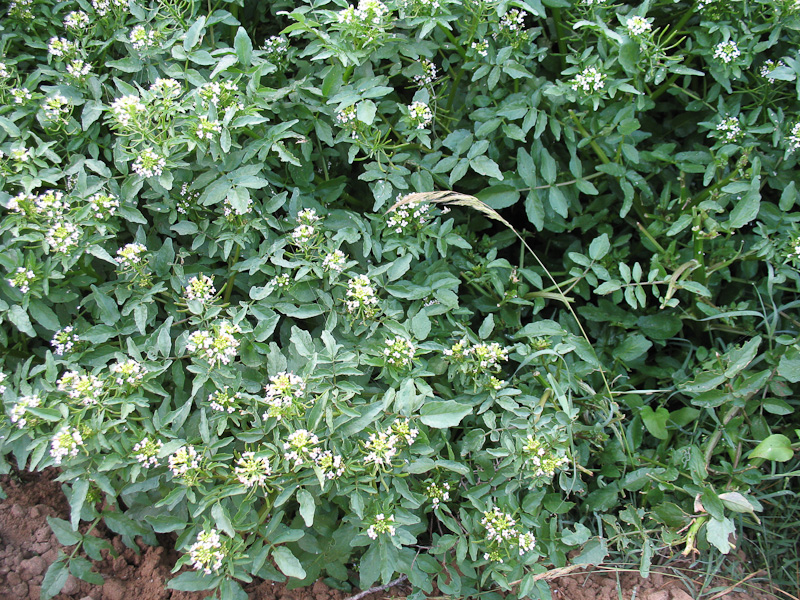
(27, 547)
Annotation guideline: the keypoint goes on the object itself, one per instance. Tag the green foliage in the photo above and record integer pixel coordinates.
(589, 346)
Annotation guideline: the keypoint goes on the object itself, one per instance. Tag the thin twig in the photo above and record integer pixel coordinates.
(378, 588)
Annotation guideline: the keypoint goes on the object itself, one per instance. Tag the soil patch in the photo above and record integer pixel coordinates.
(28, 547)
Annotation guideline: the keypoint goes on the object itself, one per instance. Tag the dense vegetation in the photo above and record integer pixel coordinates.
(427, 287)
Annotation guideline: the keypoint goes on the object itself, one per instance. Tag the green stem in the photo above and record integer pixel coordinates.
(562, 43)
(461, 52)
(226, 296)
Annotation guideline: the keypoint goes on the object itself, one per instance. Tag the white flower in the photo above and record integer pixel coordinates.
(589, 80)
(218, 345)
(768, 67)
(63, 236)
(129, 372)
(301, 446)
(166, 88)
(141, 39)
(64, 340)
(21, 95)
(183, 461)
(103, 205)
(83, 387)
(78, 69)
(76, 20)
(399, 352)
(361, 296)
(200, 289)
(56, 108)
(61, 47)
(637, 25)
(334, 261)
(330, 464)
(526, 542)
(382, 524)
(381, 448)
(410, 217)
(4, 72)
(126, 109)
(428, 73)
(438, 493)
(251, 471)
(729, 129)
(482, 48)
(147, 452)
(130, 255)
(224, 401)
(22, 279)
(2, 381)
(18, 410)
(207, 129)
(420, 115)
(207, 553)
(794, 138)
(149, 164)
(499, 526)
(65, 443)
(727, 51)
(283, 392)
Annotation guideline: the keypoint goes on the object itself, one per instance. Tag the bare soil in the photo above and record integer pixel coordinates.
(27, 547)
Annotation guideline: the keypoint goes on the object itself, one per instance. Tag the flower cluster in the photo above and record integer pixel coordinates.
(419, 115)
(64, 341)
(794, 138)
(22, 279)
(334, 261)
(727, 52)
(346, 116)
(165, 88)
(149, 163)
(382, 524)
(188, 199)
(207, 552)
(18, 410)
(487, 356)
(729, 129)
(251, 471)
(101, 7)
(200, 289)
(276, 48)
(128, 372)
(438, 493)
(589, 81)
(65, 442)
(768, 67)
(62, 236)
(224, 401)
(428, 73)
(147, 452)
(305, 233)
(330, 464)
(512, 21)
(409, 218)
(207, 129)
(481, 48)
(20, 95)
(222, 95)
(2, 383)
(381, 448)
(638, 26)
(125, 110)
(502, 532)
(301, 446)
(130, 255)
(56, 108)
(103, 206)
(401, 428)
(83, 387)
(541, 457)
(77, 20)
(399, 352)
(361, 298)
(230, 211)
(369, 12)
(284, 391)
(61, 47)
(217, 345)
(141, 39)
(78, 69)
(184, 463)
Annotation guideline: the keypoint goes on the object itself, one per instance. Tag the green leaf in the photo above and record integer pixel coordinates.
(486, 327)
(775, 447)
(82, 569)
(222, 519)
(579, 537)
(631, 348)
(65, 534)
(55, 578)
(307, 506)
(44, 315)
(718, 532)
(483, 165)
(79, 491)
(745, 210)
(288, 563)
(443, 414)
(599, 247)
(193, 581)
(789, 367)
(420, 326)
(17, 315)
(193, 34)
(655, 421)
(499, 196)
(594, 552)
(366, 111)
(243, 47)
